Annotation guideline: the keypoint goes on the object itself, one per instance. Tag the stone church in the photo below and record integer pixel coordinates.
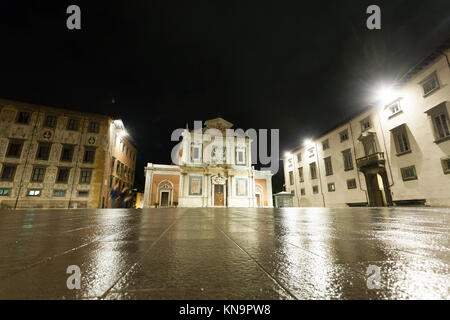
(213, 168)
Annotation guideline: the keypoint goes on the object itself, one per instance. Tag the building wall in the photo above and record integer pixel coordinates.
(263, 184)
(213, 168)
(158, 180)
(34, 132)
(120, 161)
(425, 154)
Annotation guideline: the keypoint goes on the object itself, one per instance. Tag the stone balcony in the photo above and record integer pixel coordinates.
(372, 160)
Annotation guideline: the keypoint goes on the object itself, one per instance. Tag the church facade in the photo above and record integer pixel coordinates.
(213, 169)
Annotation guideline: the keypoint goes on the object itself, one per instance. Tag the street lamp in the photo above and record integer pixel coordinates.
(385, 94)
(307, 142)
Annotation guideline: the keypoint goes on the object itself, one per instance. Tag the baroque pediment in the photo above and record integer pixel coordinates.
(218, 123)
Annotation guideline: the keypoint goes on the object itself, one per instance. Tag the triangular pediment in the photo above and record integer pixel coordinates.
(218, 123)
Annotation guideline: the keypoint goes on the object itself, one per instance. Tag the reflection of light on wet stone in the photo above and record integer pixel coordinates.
(205, 253)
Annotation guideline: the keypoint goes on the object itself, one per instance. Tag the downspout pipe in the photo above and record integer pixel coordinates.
(354, 154)
(320, 177)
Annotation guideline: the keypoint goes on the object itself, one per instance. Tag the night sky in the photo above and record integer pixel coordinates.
(261, 64)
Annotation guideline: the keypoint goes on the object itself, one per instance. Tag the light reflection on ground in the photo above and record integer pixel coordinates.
(309, 253)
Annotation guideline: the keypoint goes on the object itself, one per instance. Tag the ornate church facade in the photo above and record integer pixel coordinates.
(213, 169)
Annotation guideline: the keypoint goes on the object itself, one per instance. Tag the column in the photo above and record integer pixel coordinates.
(208, 190)
(253, 190)
(269, 191)
(148, 186)
(229, 189)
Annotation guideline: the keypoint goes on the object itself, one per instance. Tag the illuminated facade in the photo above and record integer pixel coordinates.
(212, 171)
(57, 158)
(396, 152)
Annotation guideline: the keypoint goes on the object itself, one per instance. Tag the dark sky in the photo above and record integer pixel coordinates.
(297, 66)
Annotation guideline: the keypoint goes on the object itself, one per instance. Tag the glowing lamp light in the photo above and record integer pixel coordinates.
(288, 155)
(307, 142)
(385, 94)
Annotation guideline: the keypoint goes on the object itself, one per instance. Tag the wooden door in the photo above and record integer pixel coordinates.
(164, 199)
(219, 195)
(377, 196)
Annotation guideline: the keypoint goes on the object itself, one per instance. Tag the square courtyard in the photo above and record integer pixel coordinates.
(229, 253)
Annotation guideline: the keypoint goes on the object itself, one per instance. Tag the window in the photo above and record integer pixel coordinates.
(299, 157)
(446, 165)
(394, 108)
(89, 155)
(8, 172)
(302, 191)
(4, 192)
(409, 173)
(113, 161)
(59, 193)
(94, 127)
(331, 187)
(83, 194)
(440, 120)
(34, 193)
(72, 124)
(43, 151)
(300, 174)
(315, 189)
(14, 149)
(401, 140)
(38, 174)
(85, 176)
(23, 117)
(311, 152)
(313, 170)
(325, 144)
(50, 121)
(351, 184)
(430, 84)
(118, 168)
(344, 135)
(328, 166)
(67, 153)
(291, 178)
(196, 153)
(240, 156)
(365, 124)
(63, 175)
(195, 185)
(290, 163)
(348, 161)
(241, 187)
(441, 125)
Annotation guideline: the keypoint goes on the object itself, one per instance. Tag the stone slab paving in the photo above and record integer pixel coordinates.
(230, 253)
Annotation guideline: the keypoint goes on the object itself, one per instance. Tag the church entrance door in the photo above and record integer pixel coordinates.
(219, 195)
(164, 199)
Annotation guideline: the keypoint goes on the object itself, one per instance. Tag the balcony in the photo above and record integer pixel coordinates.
(372, 160)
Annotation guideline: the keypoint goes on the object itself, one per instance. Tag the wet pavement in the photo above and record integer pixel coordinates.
(206, 253)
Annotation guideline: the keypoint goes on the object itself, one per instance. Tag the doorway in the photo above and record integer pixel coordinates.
(377, 195)
(164, 199)
(258, 200)
(219, 195)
